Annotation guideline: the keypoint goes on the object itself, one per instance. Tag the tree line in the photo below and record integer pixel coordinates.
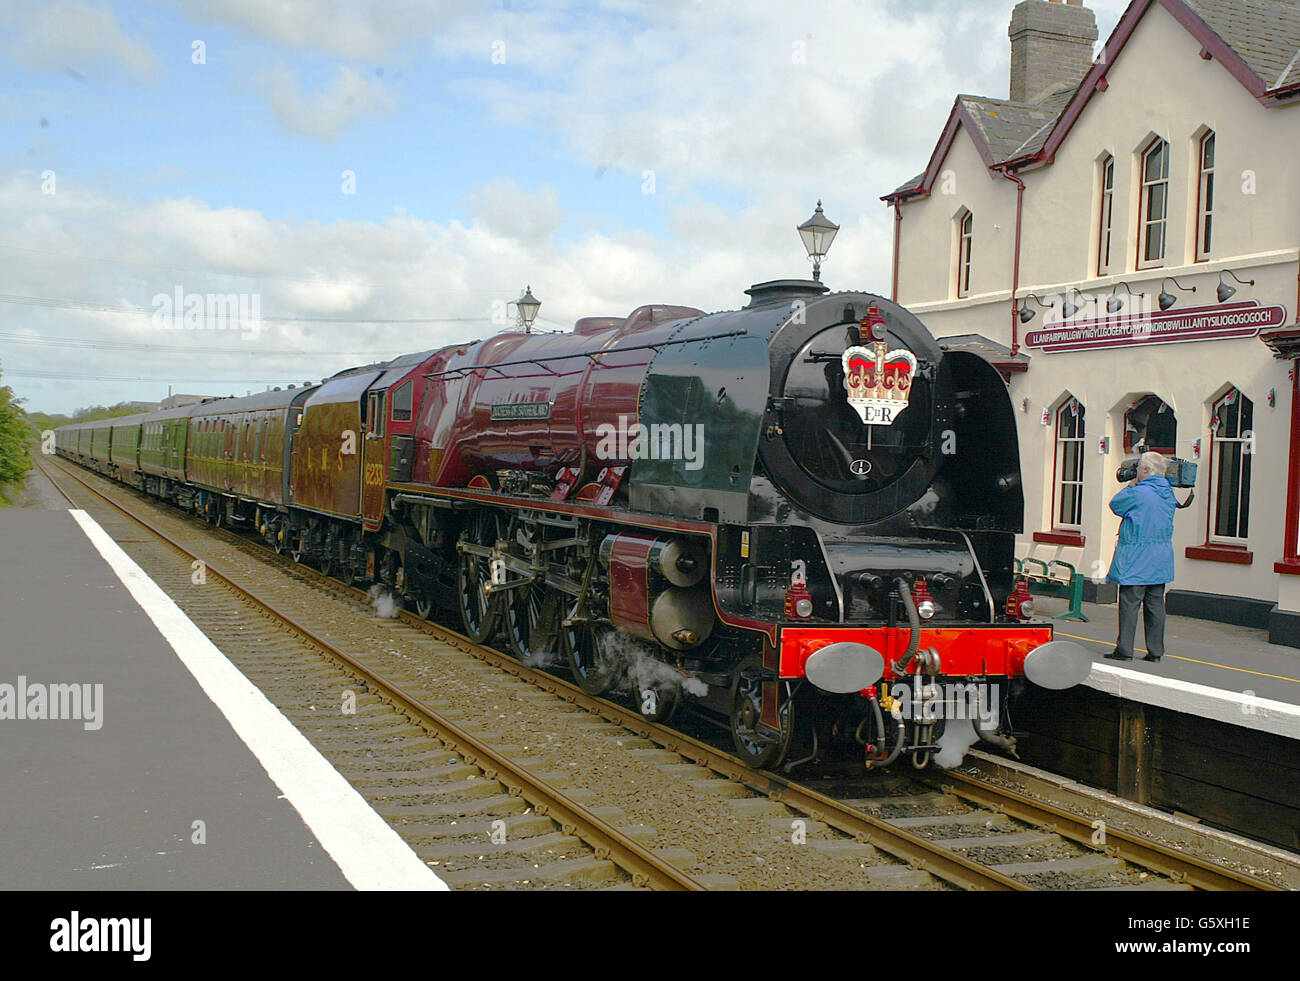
(20, 434)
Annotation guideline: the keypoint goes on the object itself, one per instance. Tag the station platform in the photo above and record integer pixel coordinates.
(149, 731)
(1209, 668)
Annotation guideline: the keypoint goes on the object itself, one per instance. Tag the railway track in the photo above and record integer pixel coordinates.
(949, 830)
(435, 781)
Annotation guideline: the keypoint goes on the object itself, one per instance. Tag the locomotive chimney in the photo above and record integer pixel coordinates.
(1051, 46)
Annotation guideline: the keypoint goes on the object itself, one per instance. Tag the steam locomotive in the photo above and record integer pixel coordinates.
(800, 513)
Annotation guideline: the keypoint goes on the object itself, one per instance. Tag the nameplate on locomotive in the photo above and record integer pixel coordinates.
(521, 410)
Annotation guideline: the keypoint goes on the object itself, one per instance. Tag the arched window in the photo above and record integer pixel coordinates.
(1205, 205)
(965, 241)
(1153, 208)
(1151, 425)
(1107, 166)
(1231, 453)
(1067, 493)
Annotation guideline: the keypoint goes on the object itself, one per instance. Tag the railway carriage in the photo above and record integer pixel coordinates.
(801, 513)
(164, 443)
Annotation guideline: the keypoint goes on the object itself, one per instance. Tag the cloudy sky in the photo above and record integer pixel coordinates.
(381, 177)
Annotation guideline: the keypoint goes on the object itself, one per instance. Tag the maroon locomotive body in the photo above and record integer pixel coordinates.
(801, 513)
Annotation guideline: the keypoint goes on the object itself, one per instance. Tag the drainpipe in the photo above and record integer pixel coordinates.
(1015, 274)
(1291, 548)
(898, 235)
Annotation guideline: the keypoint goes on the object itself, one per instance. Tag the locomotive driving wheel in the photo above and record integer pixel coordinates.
(593, 669)
(531, 612)
(657, 700)
(758, 746)
(423, 601)
(478, 607)
(523, 611)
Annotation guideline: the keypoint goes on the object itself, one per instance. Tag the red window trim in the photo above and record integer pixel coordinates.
(1056, 462)
(1234, 554)
(1291, 568)
(1197, 255)
(1059, 538)
(1213, 496)
(1103, 223)
(1160, 263)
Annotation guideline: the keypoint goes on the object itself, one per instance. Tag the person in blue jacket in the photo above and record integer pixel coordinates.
(1144, 558)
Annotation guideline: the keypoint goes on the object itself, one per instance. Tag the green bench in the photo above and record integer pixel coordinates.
(1046, 584)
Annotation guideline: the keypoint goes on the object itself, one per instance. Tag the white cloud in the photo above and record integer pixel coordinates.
(76, 35)
(400, 268)
(505, 208)
(324, 113)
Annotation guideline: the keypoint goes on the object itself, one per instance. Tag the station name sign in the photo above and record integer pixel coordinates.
(521, 410)
(1228, 320)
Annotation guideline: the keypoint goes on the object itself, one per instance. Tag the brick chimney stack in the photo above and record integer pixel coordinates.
(1051, 45)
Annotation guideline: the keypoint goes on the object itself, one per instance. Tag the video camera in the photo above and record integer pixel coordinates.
(1180, 473)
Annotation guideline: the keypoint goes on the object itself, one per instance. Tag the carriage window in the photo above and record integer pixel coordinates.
(402, 399)
(375, 402)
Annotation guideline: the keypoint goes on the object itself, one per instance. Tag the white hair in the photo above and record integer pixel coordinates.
(1154, 464)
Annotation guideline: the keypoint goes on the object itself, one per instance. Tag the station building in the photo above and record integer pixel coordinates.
(1122, 236)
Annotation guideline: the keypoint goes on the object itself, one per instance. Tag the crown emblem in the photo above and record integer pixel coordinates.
(878, 380)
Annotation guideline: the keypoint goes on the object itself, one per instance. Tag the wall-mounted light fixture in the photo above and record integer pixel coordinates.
(1026, 313)
(1116, 302)
(1070, 308)
(1227, 292)
(1168, 299)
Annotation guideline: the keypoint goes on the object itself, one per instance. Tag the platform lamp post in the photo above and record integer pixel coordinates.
(527, 307)
(818, 232)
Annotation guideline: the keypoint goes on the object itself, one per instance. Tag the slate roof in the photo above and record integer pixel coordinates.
(999, 355)
(1007, 127)
(1265, 33)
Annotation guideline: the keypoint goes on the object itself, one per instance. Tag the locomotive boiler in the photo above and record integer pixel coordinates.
(801, 513)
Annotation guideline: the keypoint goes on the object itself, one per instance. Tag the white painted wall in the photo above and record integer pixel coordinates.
(1159, 84)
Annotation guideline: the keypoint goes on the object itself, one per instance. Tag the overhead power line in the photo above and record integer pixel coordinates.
(69, 304)
(255, 276)
(238, 347)
(76, 376)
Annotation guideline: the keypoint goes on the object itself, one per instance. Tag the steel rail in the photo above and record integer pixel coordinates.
(608, 842)
(1177, 865)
